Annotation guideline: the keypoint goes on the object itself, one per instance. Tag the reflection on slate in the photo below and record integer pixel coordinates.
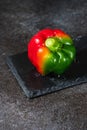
(33, 84)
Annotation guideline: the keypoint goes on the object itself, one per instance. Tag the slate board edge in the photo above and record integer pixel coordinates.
(18, 78)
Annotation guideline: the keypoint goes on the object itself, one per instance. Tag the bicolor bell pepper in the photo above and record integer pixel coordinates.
(51, 50)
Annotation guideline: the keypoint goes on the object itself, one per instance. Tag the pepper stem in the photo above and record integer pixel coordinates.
(53, 43)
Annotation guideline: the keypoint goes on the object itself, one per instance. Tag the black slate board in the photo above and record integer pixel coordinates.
(34, 85)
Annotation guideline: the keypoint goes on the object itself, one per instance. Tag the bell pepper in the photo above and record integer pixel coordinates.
(51, 50)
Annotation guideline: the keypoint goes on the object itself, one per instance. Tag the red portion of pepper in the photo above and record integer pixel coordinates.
(37, 41)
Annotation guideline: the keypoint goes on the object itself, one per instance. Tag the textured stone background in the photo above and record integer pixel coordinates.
(19, 20)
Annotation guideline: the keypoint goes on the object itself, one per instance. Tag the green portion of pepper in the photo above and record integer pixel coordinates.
(62, 55)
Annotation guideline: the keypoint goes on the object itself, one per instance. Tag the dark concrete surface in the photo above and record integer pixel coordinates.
(19, 20)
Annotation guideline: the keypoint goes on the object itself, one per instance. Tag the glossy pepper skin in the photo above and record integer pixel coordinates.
(51, 50)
